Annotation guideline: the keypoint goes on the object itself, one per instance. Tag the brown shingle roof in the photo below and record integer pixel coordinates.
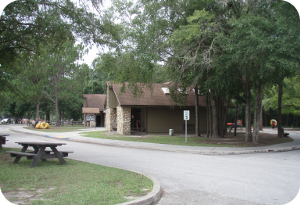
(95, 100)
(156, 97)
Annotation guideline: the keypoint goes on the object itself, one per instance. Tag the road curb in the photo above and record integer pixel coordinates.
(192, 151)
(152, 198)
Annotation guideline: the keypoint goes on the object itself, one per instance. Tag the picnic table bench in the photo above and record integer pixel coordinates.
(31, 155)
(39, 152)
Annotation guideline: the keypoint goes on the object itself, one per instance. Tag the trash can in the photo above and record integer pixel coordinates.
(171, 132)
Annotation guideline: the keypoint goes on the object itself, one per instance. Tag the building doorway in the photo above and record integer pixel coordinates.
(98, 120)
(136, 119)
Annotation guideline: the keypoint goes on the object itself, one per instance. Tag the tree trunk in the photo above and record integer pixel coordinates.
(261, 120)
(210, 121)
(236, 117)
(63, 117)
(56, 107)
(37, 109)
(225, 117)
(265, 118)
(207, 121)
(257, 114)
(196, 112)
(220, 117)
(208, 110)
(247, 94)
(216, 125)
(48, 116)
(214, 118)
(279, 121)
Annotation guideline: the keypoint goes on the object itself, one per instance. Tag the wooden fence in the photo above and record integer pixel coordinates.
(62, 123)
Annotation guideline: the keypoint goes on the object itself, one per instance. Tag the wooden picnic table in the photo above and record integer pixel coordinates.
(40, 152)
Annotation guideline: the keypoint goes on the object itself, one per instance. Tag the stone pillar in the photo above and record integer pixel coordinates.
(107, 120)
(84, 120)
(123, 120)
(92, 123)
(111, 119)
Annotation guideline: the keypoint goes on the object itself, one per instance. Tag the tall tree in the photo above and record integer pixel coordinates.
(29, 82)
(254, 42)
(60, 67)
(25, 24)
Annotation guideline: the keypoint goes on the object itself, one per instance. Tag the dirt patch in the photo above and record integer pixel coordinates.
(264, 139)
(22, 196)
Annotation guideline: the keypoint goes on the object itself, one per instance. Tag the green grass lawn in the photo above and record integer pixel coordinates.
(228, 141)
(74, 183)
(163, 139)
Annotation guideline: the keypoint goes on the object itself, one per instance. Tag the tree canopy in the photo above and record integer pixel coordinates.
(228, 49)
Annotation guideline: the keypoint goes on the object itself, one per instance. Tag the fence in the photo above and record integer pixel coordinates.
(65, 123)
(62, 123)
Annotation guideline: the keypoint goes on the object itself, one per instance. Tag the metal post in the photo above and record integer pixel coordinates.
(186, 131)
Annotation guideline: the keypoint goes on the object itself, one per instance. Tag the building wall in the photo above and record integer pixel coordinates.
(165, 118)
(113, 102)
(154, 119)
(85, 102)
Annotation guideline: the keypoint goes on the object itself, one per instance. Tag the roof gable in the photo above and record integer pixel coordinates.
(95, 100)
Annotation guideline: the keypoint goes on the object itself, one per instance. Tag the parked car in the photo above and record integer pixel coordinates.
(5, 121)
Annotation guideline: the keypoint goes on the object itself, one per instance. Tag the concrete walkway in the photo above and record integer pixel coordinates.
(75, 136)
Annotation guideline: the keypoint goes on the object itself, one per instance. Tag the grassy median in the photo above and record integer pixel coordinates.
(228, 141)
(74, 183)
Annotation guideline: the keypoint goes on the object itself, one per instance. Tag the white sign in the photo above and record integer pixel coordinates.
(90, 117)
(186, 115)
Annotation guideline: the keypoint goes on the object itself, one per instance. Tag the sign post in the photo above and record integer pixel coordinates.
(186, 117)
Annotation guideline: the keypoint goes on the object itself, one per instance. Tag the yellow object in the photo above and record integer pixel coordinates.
(42, 125)
(275, 122)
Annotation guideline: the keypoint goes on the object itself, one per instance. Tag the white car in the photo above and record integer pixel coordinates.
(5, 120)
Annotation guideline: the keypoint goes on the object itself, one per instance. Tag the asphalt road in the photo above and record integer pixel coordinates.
(262, 178)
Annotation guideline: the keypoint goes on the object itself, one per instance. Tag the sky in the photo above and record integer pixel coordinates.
(92, 54)
(93, 51)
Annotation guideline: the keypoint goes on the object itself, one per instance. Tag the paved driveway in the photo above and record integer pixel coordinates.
(262, 178)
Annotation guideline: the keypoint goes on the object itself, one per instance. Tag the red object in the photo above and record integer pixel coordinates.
(229, 123)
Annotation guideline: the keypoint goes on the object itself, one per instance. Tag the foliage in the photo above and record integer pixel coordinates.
(27, 24)
(232, 48)
(290, 98)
